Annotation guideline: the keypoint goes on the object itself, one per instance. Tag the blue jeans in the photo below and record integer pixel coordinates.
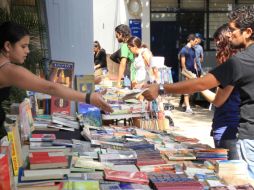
(245, 150)
(230, 145)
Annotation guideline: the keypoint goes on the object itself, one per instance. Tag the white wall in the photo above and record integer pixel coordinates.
(107, 14)
(70, 27)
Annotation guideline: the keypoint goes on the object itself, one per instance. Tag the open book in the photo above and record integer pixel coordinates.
(134, 94)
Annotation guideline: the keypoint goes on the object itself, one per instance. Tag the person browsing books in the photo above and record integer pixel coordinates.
(227, 113)
(123, 33)
(100, 57)
(14, 42)
(141, 72)
(237, 71)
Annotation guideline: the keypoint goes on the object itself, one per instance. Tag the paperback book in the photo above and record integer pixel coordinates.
(61, 72)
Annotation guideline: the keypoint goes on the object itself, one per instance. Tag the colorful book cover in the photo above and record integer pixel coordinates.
(61, 72)
(81, 185)
(5, 181)
(42, 137)
(6, 176)
(47, 157)
(85, 83)
(124, 176)
(26, 120)
(16, 154)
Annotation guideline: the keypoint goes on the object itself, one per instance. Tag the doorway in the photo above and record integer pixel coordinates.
(164, 37)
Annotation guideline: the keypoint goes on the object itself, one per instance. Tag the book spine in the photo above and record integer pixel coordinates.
(14, 157)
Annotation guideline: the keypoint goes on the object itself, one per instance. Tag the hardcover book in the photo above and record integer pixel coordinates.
(124, 176)
(42, 137)
(43, 160)
(85, 83)
(16, 151)
(61, 72)
(5, 177)
(26, 120)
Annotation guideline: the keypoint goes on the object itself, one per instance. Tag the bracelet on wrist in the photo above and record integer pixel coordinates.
(87, 98)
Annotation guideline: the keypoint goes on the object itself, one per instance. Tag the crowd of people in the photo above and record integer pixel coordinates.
(233, 122)
(236, 72)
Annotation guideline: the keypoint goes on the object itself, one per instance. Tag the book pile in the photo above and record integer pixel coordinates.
(191, 168)
(234, 167)
(212, 154)
(180, 155)
(45, 160)
(149, 157)
(65, 120)
(124, 176)
(161, 181)
(119, 157)
(236, 187)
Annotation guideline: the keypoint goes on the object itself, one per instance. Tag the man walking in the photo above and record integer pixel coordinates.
(123, 33)
(199, 53)
(187, 60)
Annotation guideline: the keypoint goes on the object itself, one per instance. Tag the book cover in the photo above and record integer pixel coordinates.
(16, 153)
(134, 94)
(81, 185)
(66, 120)
(26, 120)
(5, 177)
(124, 176)
(61, 72)
(85, 83)
(42, 137)
(44, 160)
(180, 155)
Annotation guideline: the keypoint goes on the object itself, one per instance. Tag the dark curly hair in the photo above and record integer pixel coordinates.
(12, 32)
(243, 17)
(124, 30)
(224, 51)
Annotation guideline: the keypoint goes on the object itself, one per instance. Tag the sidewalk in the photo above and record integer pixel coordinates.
(197, 125)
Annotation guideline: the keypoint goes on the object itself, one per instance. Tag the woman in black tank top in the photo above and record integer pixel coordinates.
(14, 42)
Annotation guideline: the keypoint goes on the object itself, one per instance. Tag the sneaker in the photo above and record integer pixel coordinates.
(189, 110)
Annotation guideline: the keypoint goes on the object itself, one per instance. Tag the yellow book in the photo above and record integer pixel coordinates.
(13, 154)
(16, 154)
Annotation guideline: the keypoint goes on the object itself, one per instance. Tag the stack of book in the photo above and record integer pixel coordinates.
(65, 120)
(119, 157)
(149, 157)
(125, 176)
(232, 167)
(169, 181)
(45, 160)
(180, 155)
(212, 154)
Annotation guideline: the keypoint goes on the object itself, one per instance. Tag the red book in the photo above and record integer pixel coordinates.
(42, 160)
(5, 176)
(125, 176)
(150, 162)
(42, 137)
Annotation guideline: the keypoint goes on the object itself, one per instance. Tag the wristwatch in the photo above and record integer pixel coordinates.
(161, 89)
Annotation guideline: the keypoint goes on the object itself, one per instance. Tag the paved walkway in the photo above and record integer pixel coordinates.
(196, 125)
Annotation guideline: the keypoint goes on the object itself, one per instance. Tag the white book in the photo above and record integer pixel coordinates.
(44, 145)
(42, 172)
(59, 126)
